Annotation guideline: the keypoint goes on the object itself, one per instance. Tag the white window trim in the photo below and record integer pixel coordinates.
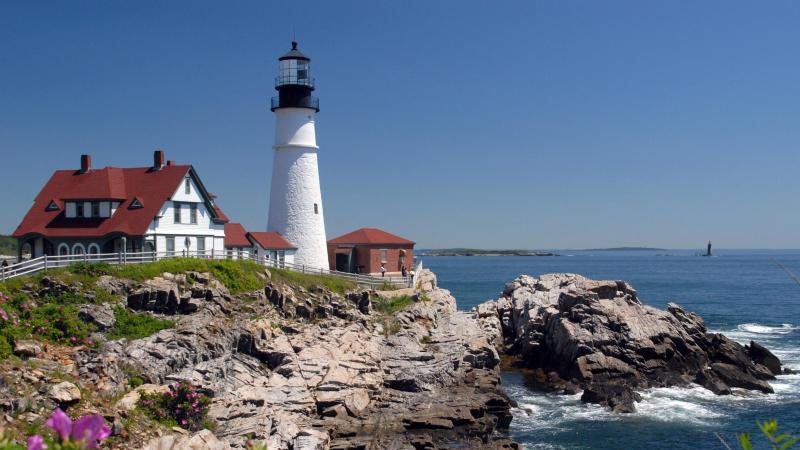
(76, 246)
(62, 245)
(93, 246)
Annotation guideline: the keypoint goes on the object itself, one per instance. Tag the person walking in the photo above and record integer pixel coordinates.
(383, 270)
(403, 271)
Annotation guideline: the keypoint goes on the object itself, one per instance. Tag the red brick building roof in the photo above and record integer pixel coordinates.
(151, 187)
(236, 236)
(271, 240)
(370, 236)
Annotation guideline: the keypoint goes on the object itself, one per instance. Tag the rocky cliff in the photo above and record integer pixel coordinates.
(596, 336)
(296, 368)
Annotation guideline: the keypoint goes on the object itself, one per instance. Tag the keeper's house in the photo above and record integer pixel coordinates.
(367, 249)
(264, 245)
(163, 208)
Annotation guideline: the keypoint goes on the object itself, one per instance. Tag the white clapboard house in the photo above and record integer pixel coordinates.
(163, 208)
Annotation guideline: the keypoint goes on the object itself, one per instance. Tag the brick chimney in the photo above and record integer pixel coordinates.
(158, 159)
(86, 163)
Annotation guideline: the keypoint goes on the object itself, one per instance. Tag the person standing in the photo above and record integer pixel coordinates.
(403, 271)
(383, 270)
(411, 278)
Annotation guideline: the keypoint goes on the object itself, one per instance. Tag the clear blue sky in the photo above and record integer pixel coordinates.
(490, 124)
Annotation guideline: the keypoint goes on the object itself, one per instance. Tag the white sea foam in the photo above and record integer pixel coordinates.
(551, 413)
(785, 328)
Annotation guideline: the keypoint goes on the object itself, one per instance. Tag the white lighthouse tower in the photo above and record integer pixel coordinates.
(295, 201)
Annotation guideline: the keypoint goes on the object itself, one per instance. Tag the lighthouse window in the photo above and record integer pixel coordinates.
(316, 208)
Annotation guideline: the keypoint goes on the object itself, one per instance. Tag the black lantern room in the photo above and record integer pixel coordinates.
(294, 82)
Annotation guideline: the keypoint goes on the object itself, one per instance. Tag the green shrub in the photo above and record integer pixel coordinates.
(92, 269)
(131, 325)
(53, 319)
(308, 280)
(182, 406)
(236, 275)
(5, 347)
(135, 381)
(392, 305)
(769, 429)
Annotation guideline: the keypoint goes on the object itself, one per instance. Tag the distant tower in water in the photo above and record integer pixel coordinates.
(295, 201)
(708, 250)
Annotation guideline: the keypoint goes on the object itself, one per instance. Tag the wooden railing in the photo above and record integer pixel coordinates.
(34, 265)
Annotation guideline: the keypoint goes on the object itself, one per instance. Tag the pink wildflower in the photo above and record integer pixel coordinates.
(91, 430)
(60, 423)
(36, 442)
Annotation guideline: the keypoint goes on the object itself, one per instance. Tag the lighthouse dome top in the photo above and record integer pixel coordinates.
(294, 53)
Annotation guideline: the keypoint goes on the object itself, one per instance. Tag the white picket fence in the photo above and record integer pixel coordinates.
(34, 265)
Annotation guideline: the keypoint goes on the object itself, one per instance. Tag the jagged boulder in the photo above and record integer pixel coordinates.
(100, 315)
(64, 393)
(27, 348)
(599, 336)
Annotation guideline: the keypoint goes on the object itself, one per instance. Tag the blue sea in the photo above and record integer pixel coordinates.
(746, 295)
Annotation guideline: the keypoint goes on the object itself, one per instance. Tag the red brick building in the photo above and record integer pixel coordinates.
(366, 249)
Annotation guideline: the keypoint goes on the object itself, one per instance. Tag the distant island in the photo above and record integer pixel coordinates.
(481, 252)
(8, 245)
(624, 249)
(521, 252)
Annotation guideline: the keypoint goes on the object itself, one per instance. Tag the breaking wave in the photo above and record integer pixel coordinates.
(694, 406)
(755, 328)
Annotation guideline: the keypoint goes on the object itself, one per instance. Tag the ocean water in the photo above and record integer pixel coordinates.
(744, 294)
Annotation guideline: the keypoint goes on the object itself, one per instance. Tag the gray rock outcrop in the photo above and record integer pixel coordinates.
(309, 369)
(596, 336)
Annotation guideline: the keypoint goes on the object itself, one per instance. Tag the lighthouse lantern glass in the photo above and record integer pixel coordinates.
(294, 71)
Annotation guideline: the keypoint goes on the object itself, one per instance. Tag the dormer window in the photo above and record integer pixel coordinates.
(135, 204)
(52, 206)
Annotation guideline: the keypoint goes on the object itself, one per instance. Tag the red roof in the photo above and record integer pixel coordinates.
(151, 187)
(370, 236)
(236, 236)
(220, 215)
(270, 240)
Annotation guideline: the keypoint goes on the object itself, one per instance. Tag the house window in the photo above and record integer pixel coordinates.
(51, 206)
(170, 245)
(193, 213)
(95, 209)
(201, 245)
(70, 207)
(63, 250)
(79, 209)
(316, 208)
(177, 208)
(187, 183)
(384, 255)
(135, 204)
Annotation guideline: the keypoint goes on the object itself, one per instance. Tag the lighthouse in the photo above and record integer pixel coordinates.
(295, 201)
